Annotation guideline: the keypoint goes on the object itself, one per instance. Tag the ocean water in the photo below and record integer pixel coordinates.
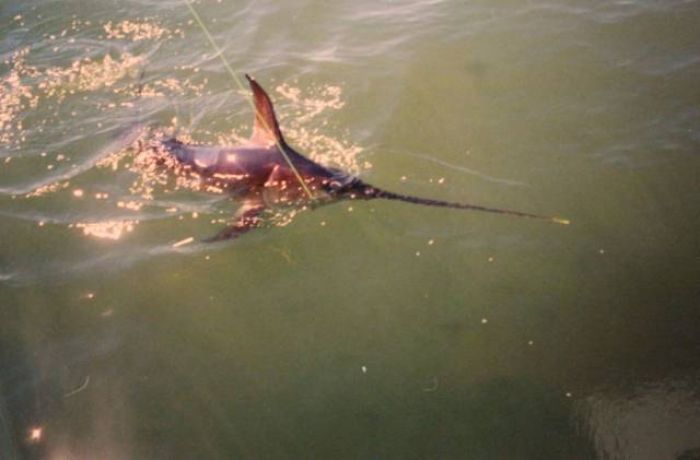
(361, 329)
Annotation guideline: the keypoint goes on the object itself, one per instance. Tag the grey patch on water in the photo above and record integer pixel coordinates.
(692, 454)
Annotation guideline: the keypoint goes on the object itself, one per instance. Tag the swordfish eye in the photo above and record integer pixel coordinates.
(335, 185)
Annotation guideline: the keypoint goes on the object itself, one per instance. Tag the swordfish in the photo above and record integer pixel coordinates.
(266, 166)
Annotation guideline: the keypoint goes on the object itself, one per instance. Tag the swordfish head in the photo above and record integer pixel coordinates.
(265, 164)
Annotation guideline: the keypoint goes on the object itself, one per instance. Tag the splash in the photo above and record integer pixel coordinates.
(137, 31)
(26, 87)
(327, 98)
(306, 120)
(47, 189)
(156, 170)
(16, 98)
(109, 229)
(87, 75)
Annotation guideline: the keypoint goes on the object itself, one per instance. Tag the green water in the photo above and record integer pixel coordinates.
(359, 330)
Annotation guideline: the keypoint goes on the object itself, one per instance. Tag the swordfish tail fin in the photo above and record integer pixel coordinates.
(386, 195)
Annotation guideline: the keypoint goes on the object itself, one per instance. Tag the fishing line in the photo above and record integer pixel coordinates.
(229, 69)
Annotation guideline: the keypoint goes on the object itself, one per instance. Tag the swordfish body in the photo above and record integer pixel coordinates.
(266, 166)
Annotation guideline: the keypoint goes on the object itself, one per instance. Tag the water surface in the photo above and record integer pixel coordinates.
(359, 330)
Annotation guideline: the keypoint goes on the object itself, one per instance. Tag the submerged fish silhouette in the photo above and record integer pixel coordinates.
(262, 167)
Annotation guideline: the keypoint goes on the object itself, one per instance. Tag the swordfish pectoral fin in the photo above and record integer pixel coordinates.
(246, 219)
(266, 130)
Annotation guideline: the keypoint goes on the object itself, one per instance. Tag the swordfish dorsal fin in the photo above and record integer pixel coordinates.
(266, 130)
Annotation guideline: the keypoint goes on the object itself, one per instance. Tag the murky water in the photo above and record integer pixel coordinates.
(358, 330)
